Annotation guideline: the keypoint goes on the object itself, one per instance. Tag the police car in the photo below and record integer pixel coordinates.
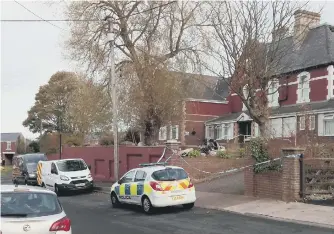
(154, 185)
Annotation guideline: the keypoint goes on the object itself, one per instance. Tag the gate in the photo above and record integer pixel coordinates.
(316, 176)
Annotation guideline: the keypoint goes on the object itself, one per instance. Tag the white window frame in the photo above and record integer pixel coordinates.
(176, 127)
(208, 131)
(311, 123)
(328, 118)
(279, 132)
(302, 120)
(9, 145)
(219, 129)
(291, 133)
(273, 93)
(303, 85)
(163, 133)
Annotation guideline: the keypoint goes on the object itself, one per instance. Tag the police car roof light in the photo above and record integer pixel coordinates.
(152, 164)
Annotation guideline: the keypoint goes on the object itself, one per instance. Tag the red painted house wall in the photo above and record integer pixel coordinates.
(207, 108)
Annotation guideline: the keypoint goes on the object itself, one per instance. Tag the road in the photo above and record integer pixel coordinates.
(92, 213)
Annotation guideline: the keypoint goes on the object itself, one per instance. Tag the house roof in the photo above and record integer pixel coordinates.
(290, 109)
(11, 136)
(316, 49)
(204, 86)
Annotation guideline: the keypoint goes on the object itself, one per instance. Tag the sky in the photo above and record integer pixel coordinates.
(31, 52)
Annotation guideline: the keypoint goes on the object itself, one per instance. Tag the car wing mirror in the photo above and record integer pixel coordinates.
(89, 167)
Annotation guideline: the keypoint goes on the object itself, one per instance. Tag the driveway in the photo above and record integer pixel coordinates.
(227, 184)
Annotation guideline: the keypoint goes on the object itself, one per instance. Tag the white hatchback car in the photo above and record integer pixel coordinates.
(27, 209)
(154, 185)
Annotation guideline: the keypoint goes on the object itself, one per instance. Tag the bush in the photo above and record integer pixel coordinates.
(242, 152)
(194, 153)
(223, 154)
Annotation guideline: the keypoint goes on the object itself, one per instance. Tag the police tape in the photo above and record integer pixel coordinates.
(240, 168)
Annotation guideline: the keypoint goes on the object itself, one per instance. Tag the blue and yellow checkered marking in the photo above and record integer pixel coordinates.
(130, 189)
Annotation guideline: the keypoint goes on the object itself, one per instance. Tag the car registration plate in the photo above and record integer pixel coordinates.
(175, 198)
(80, 185)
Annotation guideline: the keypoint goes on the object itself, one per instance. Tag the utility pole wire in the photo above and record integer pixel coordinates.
(47, 21)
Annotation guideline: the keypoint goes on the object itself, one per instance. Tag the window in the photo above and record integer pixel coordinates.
(128, 177)
(140, 176)
(276, 127)
(71, 165)
(226, 132)
(218, 134)
(289, 126)
(170, 174)
(9, 145)
(163, 133)
(302, 123)
(303, 91)
(54, 169)
(209, 132)
(174, 132)
(273, 93)
(311, 122)
(30, 204)
(329, 125)
(330, 86)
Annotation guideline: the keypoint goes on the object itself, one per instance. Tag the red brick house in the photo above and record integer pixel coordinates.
(9, 143)
(305, 98)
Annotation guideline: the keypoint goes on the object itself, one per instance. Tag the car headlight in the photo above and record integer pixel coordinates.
(32, 175)
(64, 178)
(89, 175)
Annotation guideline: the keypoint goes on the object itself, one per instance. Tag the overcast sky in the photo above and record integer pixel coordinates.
(32, 52)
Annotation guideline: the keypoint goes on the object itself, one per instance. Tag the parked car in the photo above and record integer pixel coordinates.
(25, 168)
(154, 185)
(27, 209)
(64, 175)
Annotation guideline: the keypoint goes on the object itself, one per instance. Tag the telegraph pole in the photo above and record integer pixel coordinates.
(112, 80)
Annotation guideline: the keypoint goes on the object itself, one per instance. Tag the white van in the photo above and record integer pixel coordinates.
(64, 175)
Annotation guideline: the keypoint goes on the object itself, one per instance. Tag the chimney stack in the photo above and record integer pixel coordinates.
(304, 20)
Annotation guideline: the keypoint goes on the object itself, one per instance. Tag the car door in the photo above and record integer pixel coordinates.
(52, 177)
(137, 187)
(124, 187)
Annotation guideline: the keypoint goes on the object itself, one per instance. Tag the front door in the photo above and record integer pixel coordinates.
(137, 187)
(124, 187)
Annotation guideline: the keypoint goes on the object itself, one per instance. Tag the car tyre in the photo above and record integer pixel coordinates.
(147, 206)
(114, 200)
(57, 190)
(188, 206)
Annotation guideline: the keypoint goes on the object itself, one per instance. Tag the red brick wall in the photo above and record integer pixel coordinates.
(207, 108)
(4, 147)
(101, 159)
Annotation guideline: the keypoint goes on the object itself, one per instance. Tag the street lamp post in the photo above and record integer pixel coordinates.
(112, 80)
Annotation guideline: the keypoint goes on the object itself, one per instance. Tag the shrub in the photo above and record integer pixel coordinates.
(223, 154)
(194, 153)
(242, 152)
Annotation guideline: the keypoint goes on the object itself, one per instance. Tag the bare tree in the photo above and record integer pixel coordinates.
(151, 39)
(246, 46)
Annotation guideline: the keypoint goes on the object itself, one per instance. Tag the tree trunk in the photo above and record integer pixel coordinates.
(152, 124)
(263, 130)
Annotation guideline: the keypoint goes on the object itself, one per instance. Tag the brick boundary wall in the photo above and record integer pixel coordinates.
(283, 185)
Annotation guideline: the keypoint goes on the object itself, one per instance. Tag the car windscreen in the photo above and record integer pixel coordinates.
(34, 158)
(29, 204)
(32, 167)
(170, 174)
(71, 165)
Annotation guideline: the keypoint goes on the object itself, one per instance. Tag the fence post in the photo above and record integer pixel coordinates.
(302, 176)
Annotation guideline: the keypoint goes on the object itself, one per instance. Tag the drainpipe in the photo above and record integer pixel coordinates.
(296, 130)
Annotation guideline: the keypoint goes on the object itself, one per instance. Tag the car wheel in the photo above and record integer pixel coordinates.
(188, 206)
(57, 190)
(114, 200)
(147, 206)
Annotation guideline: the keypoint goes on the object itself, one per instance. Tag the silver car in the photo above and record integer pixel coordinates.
(27, 209)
